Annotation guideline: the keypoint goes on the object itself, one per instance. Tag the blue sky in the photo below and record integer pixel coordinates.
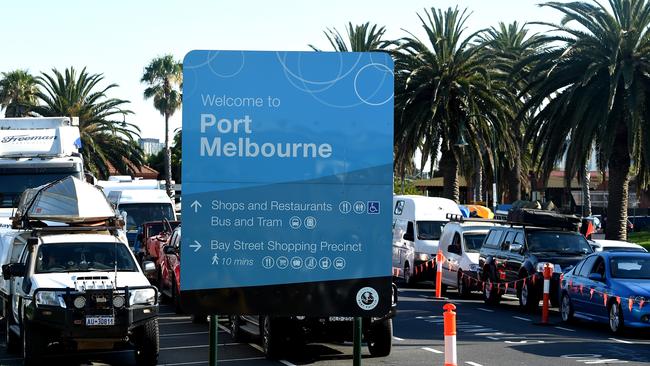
(118, 38)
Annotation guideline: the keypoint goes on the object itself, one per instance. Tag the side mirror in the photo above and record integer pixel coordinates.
(13, 270)
(596, 277)
(168, 249)
(148, 267)
(516, 248)
(409, 237)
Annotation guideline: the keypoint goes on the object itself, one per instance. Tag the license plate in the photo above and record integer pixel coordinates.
(340, 319)
(99, 321)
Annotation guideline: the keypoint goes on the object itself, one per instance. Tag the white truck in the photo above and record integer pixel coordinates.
(69, 280)
(35, 151)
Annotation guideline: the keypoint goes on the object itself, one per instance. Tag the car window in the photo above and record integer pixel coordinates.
(622, 249)
(599, 266)
(509, 238)
(519, 239)
(630, 267)
(430, 230)
(492, 240)
(84, 257)
(473, 242)
(409, 229)
(563, 242)
(586, 266)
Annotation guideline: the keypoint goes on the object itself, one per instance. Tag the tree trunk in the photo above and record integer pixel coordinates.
(586, 195)
(478, 182)
(619, 169)
(168, 161)
(514, 180)
(449, 168)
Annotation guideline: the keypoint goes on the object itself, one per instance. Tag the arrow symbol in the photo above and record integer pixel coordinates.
(195, 205)
(196, 246)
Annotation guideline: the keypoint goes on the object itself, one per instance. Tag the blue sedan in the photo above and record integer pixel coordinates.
(611, 287)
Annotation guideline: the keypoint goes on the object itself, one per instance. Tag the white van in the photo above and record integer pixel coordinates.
(460, 244)
(417, 225)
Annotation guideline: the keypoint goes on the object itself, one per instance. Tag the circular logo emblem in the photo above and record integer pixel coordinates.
(367, 298)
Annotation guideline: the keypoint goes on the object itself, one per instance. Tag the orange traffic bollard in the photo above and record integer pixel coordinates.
(450, 334)
(548, 273)
(439, 259)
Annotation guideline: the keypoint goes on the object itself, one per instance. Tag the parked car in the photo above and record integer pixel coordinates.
(625, 275)
(460, 243)
(517, 254)
(280, 336)
(153, 236)
(602, 245)
(417, 225)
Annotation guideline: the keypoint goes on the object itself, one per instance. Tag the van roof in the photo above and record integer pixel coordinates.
(422, 207)
(139, 196)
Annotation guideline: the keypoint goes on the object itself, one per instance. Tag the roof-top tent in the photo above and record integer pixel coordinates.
(68, 201)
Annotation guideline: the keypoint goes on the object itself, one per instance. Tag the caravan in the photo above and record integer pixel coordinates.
(417, 226)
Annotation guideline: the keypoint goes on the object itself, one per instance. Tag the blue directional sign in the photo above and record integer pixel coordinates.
(287, 182)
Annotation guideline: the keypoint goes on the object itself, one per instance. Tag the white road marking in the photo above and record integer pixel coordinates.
(220, 361)
(524, 319)
(175, 318)
(493, 338)
(285, 362)
(432, 350)
(473, 363)
(198, 346)
(567, 329)
(398, 338)
(486, 310)
(621, 341)
(181, 334)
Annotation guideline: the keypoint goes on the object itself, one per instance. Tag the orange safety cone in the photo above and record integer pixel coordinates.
(548, 273)
(439, 259)
(450, 334)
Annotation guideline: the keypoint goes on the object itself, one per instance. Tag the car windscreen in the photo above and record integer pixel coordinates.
(630, 267)
(138, 213)
(430, 230)
(473, 242)
(83, 257)
(561, 242)
(15, 181)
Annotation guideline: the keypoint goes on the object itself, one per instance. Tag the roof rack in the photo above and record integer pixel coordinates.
(461, 219)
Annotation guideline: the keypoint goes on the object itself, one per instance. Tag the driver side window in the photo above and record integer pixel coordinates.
(599, 267)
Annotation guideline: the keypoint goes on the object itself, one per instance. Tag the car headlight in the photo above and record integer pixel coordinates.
(144, 296)
(50, 298)
(423, 257)
(540, 266)
(473, 267)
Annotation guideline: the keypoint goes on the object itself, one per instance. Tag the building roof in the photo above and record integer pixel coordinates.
(144, 172)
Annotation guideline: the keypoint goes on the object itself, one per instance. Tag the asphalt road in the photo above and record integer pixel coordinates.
(487, 336)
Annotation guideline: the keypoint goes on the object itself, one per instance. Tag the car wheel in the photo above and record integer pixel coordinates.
(147, 344)
(566, 308)
(463, 288)
(616, 323)
(528, 300)
(491, 294)
(407, 273)
(235, 329)
(271, 338)
(12, 340)
(34, 344)
(381, 338)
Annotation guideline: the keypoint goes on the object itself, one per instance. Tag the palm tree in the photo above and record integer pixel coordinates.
(593, 87)
(17, 93)
(360, 38)
(445, 96)
(107, 139)
(163, 77)
(509, 45)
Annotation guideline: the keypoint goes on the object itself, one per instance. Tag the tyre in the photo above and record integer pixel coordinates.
(176, 298)
(147, 343)
(528, 300)
(380, 341)
(12, 340)
(34, 344)
(236, 332)
(616, 322)
(463, 287)
(491, 295)
(566, 308)
(271, 338)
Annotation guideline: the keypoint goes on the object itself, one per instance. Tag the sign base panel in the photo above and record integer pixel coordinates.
(364, 297)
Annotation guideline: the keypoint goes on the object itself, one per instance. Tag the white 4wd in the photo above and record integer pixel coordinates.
(79, 291)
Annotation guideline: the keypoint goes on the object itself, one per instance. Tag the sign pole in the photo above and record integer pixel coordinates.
(213, 340)
(356, 353)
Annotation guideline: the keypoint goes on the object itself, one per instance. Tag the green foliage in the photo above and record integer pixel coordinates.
(642, 238)
(360, 38)
(106, 137)
(18, 90)
(409, 187)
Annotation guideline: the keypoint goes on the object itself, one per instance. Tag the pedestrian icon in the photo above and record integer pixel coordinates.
(215, 259)
(268, 262)
(311, 263)
(339, 263)
(373, 207)
(325, 263)
(282, 262)
(295, 222)
(310, 222)
(359, 207)
(296, 262)
(345, 207)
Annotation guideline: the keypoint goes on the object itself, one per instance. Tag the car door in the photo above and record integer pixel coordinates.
(399, 245)
(515, 259)
(580, 299)
(596, 304)
(453, 254)
(503, 254)
(21, 285)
